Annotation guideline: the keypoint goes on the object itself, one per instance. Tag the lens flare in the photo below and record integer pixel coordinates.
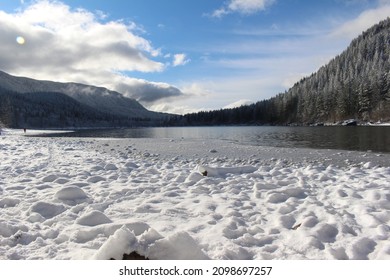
(20, 40)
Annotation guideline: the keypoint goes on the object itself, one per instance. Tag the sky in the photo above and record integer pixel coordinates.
(181, 56)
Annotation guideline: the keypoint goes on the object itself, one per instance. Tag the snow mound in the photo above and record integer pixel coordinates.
(121, 242)
(179, 246)
(362, 248)
(8, 229)
(194, 177)
(49, 178)
(8, 202)
(96, 179)
(110, 166)
(93, 218)
(70, 193)
(47, 210)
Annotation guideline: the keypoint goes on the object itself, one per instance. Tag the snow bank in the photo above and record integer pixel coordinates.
(100, 199)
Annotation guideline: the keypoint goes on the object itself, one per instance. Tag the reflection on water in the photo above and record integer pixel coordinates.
(348, 138)
(362, 138)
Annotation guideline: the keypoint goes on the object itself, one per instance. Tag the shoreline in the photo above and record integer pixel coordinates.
(198, 148)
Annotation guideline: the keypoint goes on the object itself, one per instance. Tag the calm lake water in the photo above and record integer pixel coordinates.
(361, 138)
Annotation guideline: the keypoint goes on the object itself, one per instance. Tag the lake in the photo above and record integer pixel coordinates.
(359, 138)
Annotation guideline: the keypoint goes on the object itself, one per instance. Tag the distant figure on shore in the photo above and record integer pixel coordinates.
(24, 130)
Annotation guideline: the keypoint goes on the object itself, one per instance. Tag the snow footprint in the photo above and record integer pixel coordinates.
(327, 233)
(215, 219)
(362, 248)
(287, 221)
(8, 202)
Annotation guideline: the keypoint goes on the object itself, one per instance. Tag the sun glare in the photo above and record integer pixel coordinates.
(20, 40)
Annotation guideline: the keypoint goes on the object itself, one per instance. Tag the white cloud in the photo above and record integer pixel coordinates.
(173, 109)
(144, 91)
(198, 95)
(101, 15)
(180, 59)
(243, 7)
(215, 93)
(196, 89)
(248, 6)
(220, 12)
(65, 44)
(365, 20)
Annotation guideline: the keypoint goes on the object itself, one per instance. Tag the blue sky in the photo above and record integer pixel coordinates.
(181, 56)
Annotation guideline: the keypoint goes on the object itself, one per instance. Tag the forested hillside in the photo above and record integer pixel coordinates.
(355, 84)
(53, 109)
(30, 103)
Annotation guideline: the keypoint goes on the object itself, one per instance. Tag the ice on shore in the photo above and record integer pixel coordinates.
(173, 199)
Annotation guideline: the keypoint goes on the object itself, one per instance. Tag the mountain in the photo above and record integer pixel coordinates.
(355, 84)
(26, 102)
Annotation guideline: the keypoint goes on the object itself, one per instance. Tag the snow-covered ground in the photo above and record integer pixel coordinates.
(64, 198)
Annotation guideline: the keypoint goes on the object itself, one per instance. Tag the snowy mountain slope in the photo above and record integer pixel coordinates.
(52, 110)
(99, 98)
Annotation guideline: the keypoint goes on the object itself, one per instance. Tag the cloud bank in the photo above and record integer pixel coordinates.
(50, 40)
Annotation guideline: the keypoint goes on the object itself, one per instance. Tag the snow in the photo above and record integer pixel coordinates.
(74, 198)
(93, 218)
(72, 193)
